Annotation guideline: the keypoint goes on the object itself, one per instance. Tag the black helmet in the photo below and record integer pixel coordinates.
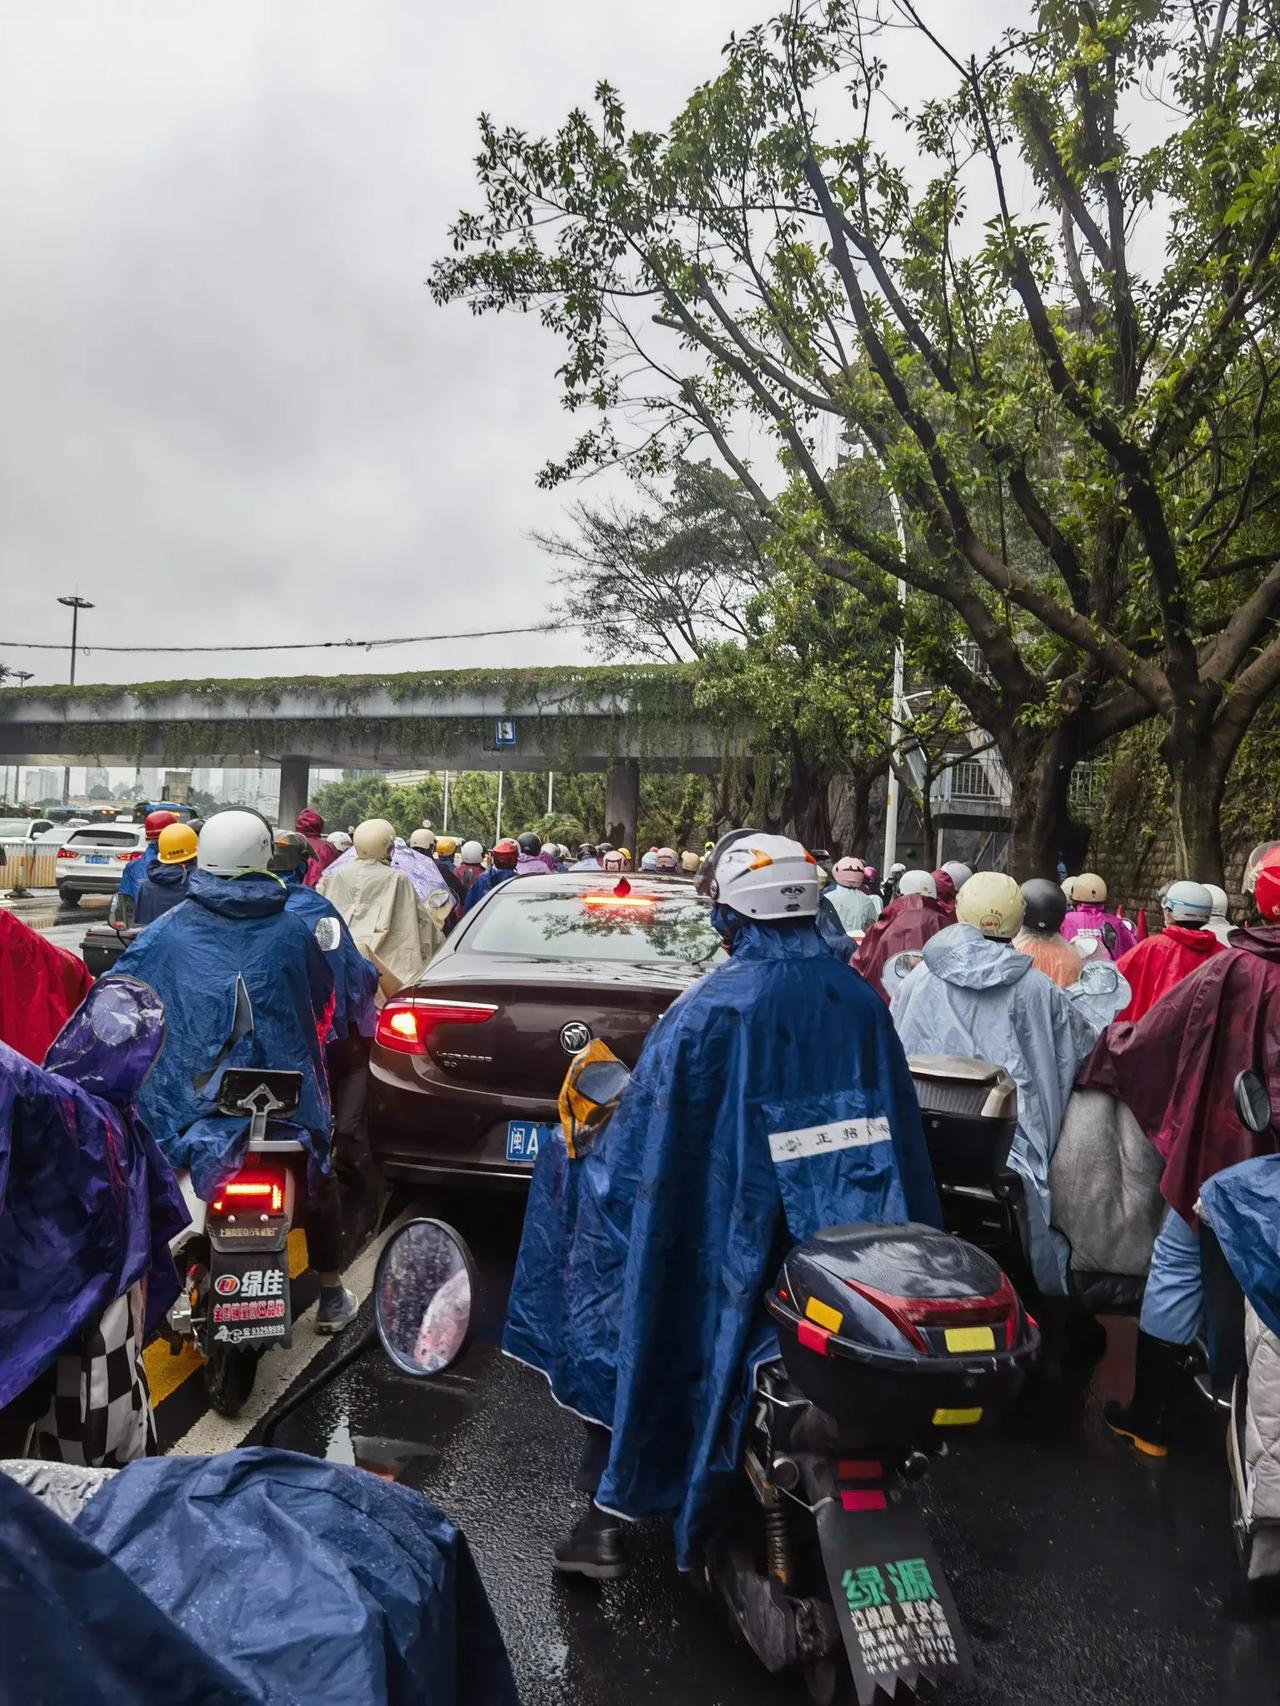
(588, 850)
(1046, 906)
(291, 850)
(529, 844)
(605, 847)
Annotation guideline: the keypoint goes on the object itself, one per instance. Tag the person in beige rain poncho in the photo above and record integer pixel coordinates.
(391, 926)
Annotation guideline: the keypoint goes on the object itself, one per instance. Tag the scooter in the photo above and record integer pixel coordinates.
(1228, 1372)
(892, 1341)
(236, 1302)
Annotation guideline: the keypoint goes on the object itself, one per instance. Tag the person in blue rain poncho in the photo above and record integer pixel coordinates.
(976, 995)
(137, 871)
(244, 983)
(771, 1100)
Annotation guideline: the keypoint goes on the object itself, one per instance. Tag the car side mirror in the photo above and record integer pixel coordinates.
(424, 1294)
(1253, 1103)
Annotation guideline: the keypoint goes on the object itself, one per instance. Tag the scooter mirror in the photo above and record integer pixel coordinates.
(900, 966)
(1098, 977)
(328, 934)
(1253, 1104)
(424, 1292)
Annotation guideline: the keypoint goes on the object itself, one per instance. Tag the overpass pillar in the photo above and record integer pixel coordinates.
(622, 803)
(295, 787)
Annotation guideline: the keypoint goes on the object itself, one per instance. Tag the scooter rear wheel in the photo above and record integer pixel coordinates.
(228, 1378)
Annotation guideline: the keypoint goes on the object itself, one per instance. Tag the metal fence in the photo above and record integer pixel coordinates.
(28, 865)
(969, 781)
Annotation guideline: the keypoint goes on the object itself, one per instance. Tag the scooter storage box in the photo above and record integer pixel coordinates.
(969, 1109)
(899, 1332)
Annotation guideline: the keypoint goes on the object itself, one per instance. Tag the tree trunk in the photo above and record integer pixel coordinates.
(1198, 775)
(1042, 831)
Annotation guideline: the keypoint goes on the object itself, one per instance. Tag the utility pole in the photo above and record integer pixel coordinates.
(75, 604)
(445, 827)
(551, 791)
(497, 828)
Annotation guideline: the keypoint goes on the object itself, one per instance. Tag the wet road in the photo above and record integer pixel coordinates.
(1085, 1574)
(63, 925)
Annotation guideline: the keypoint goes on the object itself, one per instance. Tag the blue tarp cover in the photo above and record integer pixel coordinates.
(1242, 1205)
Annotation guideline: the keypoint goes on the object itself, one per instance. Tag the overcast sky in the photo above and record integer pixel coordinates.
(230, 409)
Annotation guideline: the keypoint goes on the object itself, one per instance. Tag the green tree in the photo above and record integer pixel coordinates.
(1084, 452)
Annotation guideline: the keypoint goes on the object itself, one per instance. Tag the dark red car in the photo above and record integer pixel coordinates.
(468, 1062)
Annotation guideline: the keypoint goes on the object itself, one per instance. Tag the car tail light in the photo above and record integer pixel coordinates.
(263, 1193)
(66, 853)
(909, 1314)
(629, 902)
(124, 858)
(403, 1026)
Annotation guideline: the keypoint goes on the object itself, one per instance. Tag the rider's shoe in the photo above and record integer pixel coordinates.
(1144, 1421)
(594, 1549)
(336, 1309)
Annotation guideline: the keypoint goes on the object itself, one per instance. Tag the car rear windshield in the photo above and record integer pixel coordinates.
(595, 927)
(102, 838)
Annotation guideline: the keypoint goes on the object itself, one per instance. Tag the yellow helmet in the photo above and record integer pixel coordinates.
(625, 852)
(446, 846)
(176, 844)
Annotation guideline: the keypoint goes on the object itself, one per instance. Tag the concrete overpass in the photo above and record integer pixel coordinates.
(609, 718)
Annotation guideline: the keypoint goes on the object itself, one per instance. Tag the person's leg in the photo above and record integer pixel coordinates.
(594, 1548)
(1171, 1309)
(342, 1191)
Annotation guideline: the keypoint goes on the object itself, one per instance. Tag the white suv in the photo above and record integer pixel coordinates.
(92, 860)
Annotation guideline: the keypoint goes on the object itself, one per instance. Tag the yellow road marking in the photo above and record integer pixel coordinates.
(165, 1372)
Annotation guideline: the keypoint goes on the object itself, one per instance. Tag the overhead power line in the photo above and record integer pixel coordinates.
(299, 645)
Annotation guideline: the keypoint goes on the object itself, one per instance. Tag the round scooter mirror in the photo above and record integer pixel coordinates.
(1253, 1104)
(423, 1295)
(1098, 977)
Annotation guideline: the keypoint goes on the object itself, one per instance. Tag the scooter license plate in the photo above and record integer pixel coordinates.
(249, 1302)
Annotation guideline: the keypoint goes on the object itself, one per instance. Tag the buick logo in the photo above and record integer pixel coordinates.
(575, 1036)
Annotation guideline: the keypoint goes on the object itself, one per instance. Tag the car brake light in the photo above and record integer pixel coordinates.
(125, 857)
(909, 1314)
(66, 853)
(403, 1025)
(262, 1193)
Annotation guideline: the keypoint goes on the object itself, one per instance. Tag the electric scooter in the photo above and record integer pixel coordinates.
(236, 1301)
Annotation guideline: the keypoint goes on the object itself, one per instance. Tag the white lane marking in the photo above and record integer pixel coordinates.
(278, 1370)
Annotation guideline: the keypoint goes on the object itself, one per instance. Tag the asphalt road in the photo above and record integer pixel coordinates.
(1087, 1576)
(63, 925)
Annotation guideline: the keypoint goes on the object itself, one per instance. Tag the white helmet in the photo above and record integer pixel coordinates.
(234, 841)
(423, 840)
(1068, 887)
(958, 872)
(895, 870)
(917, 882)
(1088, 889)
(472, 853)
(765, 876)
(339, 839)
(374, 838)
(1188, 903)
(993, 903)
(1218, 900)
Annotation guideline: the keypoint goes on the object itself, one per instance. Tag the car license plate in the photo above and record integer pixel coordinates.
(95, 858)
(525, 1138)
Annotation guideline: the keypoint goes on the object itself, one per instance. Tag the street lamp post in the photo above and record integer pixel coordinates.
(75, 604)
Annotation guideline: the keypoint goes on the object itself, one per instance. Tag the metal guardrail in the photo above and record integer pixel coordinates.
(28, 865)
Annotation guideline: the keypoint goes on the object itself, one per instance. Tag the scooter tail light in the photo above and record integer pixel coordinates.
(265, 1194)
(403, 1026)
(909, 1314)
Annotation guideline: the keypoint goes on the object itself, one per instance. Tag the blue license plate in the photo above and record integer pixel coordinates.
(95, 858)
(525, 1138)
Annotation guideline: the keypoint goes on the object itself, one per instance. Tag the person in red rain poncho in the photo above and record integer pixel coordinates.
(40, 988)
(310, 826)
(946, 893)
(905, 924)
(1175, 1071)
(1159, 963)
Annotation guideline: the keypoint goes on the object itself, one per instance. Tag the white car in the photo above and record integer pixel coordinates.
(38, 829)
(92, 860)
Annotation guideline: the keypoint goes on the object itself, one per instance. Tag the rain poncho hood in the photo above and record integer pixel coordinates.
(390, 925)
(40, 987)
(1159, 964)
(1242, 1205)
(134, 873)
(1176, 1069)
(855, 908)
(87, 1202)
(243, 983)
(310, 826)
(771, 1100)
(985, 1000)
(905, 923)
(252, 1577)
(355, 980)
(1090, 922)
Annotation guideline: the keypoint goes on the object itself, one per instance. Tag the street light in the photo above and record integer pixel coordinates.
(75, 604)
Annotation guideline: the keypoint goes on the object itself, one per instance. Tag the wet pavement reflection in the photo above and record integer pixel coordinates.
(1084, 1573)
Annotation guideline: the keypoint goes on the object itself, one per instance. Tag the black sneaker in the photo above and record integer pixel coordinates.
(594, 1549)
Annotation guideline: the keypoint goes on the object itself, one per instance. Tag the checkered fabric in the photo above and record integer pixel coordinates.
(100, 1414)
